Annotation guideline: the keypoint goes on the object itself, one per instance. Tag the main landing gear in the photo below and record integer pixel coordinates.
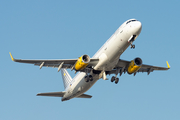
(115, 79)
(88, 78)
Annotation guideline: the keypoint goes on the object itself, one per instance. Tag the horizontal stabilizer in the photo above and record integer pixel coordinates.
(52, 94)
(84, 96)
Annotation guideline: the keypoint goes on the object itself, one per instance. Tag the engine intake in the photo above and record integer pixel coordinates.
(134, 66)
(82, 62)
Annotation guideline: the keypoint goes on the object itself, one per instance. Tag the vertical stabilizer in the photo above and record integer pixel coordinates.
(66, 77)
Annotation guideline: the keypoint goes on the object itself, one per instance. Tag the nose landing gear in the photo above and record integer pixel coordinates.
(131, 40)
(132, 46)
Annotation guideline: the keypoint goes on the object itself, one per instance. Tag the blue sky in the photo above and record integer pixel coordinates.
(56, 29)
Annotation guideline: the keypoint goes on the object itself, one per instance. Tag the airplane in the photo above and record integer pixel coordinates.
(106, 61)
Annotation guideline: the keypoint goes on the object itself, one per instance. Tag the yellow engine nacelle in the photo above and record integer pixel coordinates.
(82, 62)
(134, 66)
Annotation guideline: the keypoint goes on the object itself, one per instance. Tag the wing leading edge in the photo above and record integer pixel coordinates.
(123, 65)
(56, 63)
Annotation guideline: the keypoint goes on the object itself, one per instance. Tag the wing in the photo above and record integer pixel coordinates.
(59, 63)
(122, 66)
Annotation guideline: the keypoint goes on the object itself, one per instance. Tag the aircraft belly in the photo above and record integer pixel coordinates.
(81, 86)
(87, 85)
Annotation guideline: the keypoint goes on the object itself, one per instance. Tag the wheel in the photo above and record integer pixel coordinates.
(112, 79)
(90, 78)
(117, 80)
(86, 78)
(133, 46)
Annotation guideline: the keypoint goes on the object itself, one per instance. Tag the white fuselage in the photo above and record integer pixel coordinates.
(108, 56)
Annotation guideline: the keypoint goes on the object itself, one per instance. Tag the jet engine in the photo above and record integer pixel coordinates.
(82, 62)
(134, 66)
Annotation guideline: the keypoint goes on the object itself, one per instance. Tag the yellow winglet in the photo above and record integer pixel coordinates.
(11, 56)
(168, 64)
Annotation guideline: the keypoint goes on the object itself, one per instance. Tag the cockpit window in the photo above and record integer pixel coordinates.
(130, 21)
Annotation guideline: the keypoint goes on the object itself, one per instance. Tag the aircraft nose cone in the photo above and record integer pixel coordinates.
(138, 27)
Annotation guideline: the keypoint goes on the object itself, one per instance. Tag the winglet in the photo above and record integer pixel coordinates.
(11, 56)
(168, 64)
